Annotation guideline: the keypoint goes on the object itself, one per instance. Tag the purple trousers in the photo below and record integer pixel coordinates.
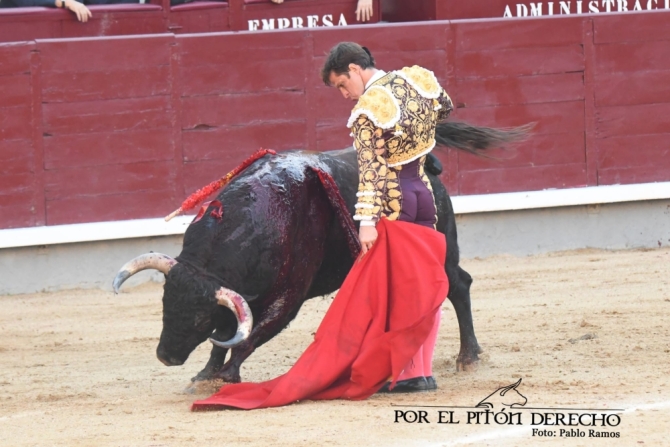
(418, 204)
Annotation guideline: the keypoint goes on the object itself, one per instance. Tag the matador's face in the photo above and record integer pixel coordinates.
(350, 84)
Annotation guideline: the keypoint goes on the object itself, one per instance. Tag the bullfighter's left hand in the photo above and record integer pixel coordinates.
(364, 10)
(367, 235)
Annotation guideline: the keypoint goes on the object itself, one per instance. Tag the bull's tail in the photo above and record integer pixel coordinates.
(476, 139)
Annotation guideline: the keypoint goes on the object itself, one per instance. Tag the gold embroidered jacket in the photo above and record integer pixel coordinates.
(393, 123)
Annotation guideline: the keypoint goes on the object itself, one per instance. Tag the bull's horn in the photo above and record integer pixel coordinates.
(158, 261)
(240, 308)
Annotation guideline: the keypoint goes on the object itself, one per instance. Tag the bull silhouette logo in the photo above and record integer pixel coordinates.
(507, 396)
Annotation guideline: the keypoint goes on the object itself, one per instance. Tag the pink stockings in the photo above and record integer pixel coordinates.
(418, 206)
(421, 364)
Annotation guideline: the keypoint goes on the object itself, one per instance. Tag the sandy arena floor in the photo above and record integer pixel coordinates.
(79, 367)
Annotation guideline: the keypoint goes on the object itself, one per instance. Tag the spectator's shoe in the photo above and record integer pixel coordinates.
(414, 385)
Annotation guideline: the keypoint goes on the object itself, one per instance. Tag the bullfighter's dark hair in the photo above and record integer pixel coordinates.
(343, 54)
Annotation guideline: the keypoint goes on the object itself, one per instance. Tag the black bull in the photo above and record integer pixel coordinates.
(278, 244)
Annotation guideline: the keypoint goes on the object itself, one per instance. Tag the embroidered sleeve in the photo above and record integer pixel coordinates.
(443, 105)
(370, 146)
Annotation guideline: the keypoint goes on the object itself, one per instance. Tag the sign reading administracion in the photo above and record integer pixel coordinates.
(536, 9)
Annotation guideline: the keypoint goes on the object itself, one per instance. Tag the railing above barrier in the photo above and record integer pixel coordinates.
(27, 24)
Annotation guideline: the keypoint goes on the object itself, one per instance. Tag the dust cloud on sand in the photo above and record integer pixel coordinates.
(583, 329)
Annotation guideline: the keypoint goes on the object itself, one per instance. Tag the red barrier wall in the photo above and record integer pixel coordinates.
(414, 11)
(119, 128)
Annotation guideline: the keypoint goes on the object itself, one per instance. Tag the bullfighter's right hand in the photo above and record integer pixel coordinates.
(81, 11)
(367, 235)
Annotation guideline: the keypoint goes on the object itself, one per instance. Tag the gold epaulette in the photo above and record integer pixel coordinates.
(379, 105)
(424, 81)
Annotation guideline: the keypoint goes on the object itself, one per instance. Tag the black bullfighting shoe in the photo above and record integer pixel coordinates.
(414, 385)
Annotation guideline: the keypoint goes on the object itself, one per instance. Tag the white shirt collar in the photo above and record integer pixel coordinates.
(375, 77)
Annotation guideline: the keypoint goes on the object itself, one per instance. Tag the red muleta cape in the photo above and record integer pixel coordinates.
(378, 320)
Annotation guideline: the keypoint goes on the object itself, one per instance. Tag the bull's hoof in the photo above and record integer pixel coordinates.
(228, 376)
(469, 362)
(469, 366)
(205, 374)
(204, 387)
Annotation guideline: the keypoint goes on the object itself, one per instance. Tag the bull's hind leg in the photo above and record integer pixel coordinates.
(459, 295)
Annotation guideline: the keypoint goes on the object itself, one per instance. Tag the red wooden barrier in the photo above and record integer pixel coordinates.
(533, 74)
(198, 17)
(125, 127)
(21, 190)
(631, 68)
(414, 11)
(107, 124)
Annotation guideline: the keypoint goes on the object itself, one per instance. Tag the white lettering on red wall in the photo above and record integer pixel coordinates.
(536, 9)
(311, 21)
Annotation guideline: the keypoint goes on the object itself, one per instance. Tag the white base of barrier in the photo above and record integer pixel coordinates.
(95, 231)
(101, 231)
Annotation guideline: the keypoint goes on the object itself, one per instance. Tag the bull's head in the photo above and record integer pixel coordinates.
(188, 308)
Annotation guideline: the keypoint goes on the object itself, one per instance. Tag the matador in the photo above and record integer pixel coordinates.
(393, 126)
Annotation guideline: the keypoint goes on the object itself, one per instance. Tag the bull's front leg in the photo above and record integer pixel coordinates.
(216, 360)
(271, 322)
(230, 372)
(459, 295)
